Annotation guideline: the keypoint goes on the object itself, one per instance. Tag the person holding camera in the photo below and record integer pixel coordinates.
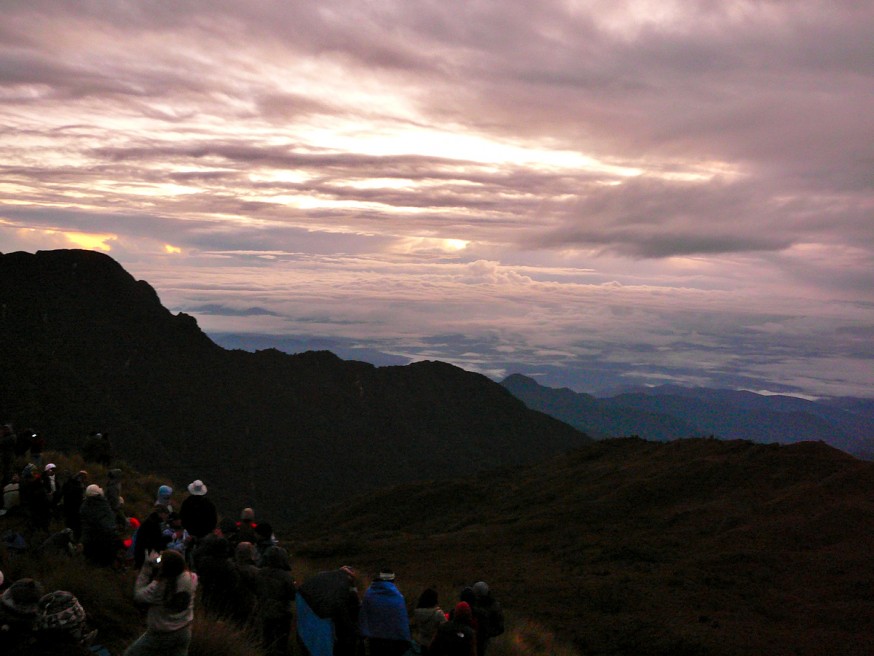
(167, 588)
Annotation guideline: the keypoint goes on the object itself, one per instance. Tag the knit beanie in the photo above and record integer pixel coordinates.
(22, 596)
(463, 613)
(59, 610)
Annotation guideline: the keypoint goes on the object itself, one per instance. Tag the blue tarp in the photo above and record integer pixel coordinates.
(317, 634)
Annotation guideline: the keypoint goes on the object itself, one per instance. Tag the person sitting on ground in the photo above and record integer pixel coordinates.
(383, 619)
(276, 592)
(61, 627)
(427, 617)
(168, 589)
(12, 494)
(18, 611)
(456, 637)
(174, 533)
(58, 544)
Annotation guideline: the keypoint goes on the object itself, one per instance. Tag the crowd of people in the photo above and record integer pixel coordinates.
(236, 570)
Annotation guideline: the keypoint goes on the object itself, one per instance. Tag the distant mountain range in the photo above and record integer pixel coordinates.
(84, 347)
(670, 412)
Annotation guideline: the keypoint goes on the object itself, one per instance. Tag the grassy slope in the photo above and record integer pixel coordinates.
(630, 547)
(623, 547)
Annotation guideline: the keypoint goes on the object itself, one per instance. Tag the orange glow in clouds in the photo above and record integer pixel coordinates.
(91, 242)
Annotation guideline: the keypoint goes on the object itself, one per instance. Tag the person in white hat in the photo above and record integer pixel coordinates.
(198, 514)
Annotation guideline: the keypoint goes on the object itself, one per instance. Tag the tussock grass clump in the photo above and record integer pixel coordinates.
(529, 638)
(211, 637)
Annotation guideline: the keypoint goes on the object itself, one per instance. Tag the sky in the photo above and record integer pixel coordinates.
(592, 193)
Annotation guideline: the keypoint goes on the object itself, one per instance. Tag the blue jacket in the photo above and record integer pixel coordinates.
(384, 613)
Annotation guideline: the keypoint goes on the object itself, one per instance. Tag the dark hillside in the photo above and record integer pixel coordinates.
(631, 547)
(85, 347)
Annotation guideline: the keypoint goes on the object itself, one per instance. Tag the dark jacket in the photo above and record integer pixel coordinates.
(198, 515)
(453, 639)
(216, 574)
(98, 520)
(275, 585)
(149, 537)
(332, 595)
(245, 596)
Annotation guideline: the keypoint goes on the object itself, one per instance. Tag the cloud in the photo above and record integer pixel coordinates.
(660, 189)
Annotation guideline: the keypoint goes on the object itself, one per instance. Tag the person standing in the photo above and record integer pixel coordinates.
(150, 534)
(327, 613)
(489, 614)
(198, 514)
(99, 538)
(52, 487)
(457, 637)
(383, 620)
(245, 596)
(166, 586)
(276, 592)
(427, 617)
(72, 495)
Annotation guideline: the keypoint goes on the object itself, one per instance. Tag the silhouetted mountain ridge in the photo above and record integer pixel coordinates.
(86, 347)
